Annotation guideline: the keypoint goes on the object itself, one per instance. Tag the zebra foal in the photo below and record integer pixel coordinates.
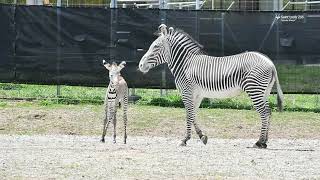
(116, 95)
(199, 76)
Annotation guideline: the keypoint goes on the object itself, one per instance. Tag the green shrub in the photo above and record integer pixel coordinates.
(47, 95)
(235, 103)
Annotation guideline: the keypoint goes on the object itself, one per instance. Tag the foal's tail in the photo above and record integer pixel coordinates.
(279, 91)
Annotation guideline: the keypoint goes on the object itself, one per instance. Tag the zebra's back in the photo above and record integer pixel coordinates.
(225, 75)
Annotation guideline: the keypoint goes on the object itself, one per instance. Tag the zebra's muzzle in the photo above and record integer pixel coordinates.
(143, 68)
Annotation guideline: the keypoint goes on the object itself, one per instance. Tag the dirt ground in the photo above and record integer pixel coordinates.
(27, 118)
(62, 142)
(75, 157)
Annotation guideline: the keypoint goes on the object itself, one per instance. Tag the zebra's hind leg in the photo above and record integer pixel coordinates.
(265, 114)
(125, 117)
(265, 119)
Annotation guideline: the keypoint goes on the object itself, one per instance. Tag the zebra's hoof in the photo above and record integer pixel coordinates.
(102, 140)
(260, 145)
(183, 143)
(204, 139)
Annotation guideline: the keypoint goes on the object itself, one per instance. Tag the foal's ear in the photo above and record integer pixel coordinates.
(157, 33)
(163, 29)
(122, 64)
(106, 65)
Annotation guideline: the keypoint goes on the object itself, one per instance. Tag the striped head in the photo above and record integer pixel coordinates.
(158, 53)
(114, 71)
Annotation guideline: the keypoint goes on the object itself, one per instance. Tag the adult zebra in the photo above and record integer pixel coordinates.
(198, 75)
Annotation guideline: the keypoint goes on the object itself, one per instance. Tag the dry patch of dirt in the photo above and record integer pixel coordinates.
(62, 142)
(74, 157)
(153, 121)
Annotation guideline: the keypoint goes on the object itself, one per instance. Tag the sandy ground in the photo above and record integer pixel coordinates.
(74, 157)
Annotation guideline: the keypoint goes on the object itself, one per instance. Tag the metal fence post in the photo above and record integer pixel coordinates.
(277, 37)
(222, 34)
(197, 4)
(113, 4)
(132, 92)
(163, 4)
(318, 100)
(163, 90)
(163, 17)
(58, 48)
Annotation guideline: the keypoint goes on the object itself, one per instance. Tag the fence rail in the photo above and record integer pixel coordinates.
(242, 5)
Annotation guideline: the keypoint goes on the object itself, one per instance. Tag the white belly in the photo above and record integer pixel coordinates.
(220, 94)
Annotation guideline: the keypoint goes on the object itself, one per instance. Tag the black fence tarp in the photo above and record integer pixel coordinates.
(47, 45)
(7, 40)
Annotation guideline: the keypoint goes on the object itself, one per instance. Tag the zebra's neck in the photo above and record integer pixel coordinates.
(112, 92)
(183, 49)
(113, 86)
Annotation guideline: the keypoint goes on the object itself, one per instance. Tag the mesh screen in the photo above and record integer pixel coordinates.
(46, 45)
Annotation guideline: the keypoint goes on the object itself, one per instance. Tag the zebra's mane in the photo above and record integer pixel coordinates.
(178, 31)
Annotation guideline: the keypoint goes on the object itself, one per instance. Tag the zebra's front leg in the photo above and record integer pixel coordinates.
(202, 137)
(190, 110)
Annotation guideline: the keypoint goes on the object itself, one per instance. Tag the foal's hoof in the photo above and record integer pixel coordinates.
(204, 139)
(183, 143)
(260, 145)
(102, 140)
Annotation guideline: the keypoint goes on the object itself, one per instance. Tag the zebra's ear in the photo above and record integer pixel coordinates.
(170, 29)
(163, 29)
(122, 64)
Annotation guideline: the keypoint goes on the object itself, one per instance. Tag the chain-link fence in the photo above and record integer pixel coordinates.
(239, 5)
(39, 47)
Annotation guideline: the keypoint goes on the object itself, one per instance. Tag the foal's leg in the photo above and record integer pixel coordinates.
(114, 124)
(110, 112)
(105, 124)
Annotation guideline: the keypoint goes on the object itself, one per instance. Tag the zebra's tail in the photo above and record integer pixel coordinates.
(279, 92)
